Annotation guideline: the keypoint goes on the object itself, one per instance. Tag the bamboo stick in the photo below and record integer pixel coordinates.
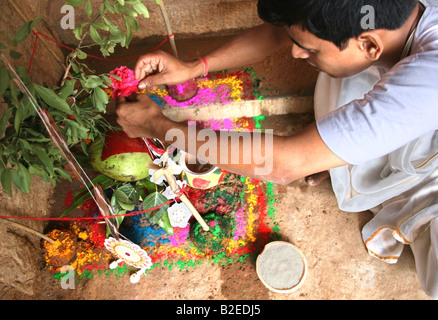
(168, 28)
(30, 230)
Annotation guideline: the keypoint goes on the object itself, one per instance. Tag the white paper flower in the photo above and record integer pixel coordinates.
(179, 215)
(152, 171)
(169, 194)
(129, 253)
(172, 167)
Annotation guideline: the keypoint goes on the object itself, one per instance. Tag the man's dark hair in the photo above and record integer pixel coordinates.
(336, 21)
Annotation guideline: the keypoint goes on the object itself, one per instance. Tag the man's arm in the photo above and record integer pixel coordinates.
(253, 45)
(262, 156)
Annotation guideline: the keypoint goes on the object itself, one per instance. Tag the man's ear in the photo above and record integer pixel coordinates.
(371, 44)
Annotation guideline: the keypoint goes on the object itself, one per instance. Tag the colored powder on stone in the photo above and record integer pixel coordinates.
(240, 223)
(179, 235)
(214, 240)
(140, 231)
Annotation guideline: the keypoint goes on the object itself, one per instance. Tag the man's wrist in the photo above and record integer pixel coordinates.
(204, 63)
(198, 68)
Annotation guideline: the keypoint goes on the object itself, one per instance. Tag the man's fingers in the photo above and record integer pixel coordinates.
(151, 81)
(146, 66)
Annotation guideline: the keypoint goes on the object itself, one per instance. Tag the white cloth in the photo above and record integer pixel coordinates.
(401, 186)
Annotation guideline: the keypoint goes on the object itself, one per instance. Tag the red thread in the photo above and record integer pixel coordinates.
(204, 64)
(130, 214)
(33, 54)
(86, 218)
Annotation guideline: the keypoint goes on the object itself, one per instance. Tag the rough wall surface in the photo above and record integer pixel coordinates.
(20, 274)
(187, 18)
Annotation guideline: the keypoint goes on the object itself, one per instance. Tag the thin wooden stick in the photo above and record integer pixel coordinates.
(29, 230)
(168, 28)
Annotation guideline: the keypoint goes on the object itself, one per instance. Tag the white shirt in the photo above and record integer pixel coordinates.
(401, 107)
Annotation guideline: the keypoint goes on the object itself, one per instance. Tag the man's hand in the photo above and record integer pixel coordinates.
(140, 116)
(157, 68)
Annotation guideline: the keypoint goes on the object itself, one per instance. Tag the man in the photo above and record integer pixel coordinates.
(375, 104)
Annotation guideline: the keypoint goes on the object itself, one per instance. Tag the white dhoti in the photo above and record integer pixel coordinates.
(401, 189)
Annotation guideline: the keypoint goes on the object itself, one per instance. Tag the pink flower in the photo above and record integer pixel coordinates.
(127, 85)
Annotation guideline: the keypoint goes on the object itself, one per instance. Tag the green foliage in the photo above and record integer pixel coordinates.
(102, 30)
(77, 105)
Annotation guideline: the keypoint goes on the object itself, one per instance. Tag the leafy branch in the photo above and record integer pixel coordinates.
(77, 105)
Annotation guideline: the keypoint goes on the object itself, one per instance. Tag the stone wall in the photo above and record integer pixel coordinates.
(188, 18)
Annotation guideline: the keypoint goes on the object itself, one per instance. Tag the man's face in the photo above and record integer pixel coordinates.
(326, 56)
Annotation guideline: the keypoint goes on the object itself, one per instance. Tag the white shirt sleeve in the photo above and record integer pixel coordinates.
(402, 106)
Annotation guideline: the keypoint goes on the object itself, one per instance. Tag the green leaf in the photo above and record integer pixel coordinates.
(101, 25)
(141, 9)
(25, 145)
(95, 35)
(74, 3)
(14, 54)
(13, 94)
(128, 35)
(28, 107)
(23, 172)
(2, 46)
(42, 155)
(24, 76)
(164, 223)
(93, 82)
(152, 201)
(101, 95)
(34, 22)
(6, 181)
(88, 8)
(122, 2)
(132, 22)
(21, 178)
(67, 89)
(18, 117)
(23, 32)
(52, 99)
(78, 30)
(4, 79)
(4, 121)
(81, 54)
(63, 174)
(127, 196)
(97, 103)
